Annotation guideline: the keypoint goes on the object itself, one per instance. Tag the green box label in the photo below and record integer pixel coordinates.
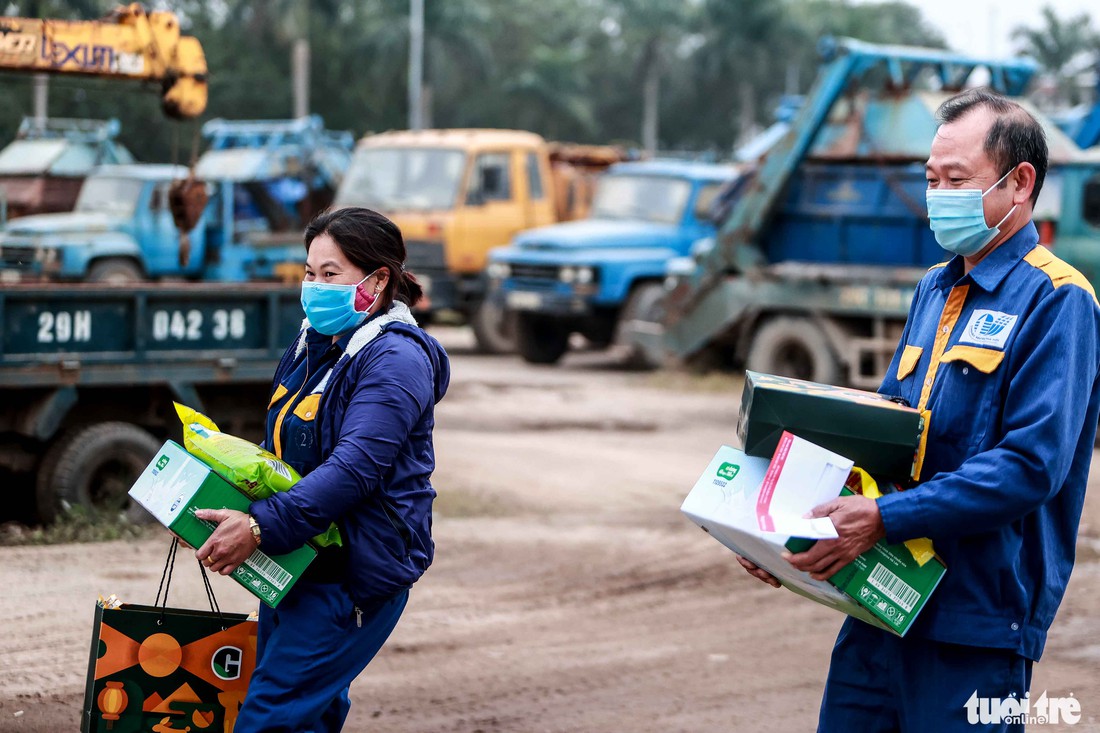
(728, 471)
(175, 484)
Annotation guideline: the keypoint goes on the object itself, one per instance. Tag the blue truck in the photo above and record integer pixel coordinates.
(41, 171)
(120, 230)
(818, 253)
(263, 180)
(1082, 123)
(601, 276)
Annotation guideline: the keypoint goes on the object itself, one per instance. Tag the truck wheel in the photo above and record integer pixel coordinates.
(640, 327)
(494, 328)
(540, 340)
(115, 271)
(93, 468)
(793, 347)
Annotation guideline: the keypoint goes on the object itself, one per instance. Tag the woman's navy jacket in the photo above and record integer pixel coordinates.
(371, 416)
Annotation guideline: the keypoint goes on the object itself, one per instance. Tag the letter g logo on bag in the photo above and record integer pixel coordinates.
(226, 663)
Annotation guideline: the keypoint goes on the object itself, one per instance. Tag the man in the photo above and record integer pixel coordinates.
(1002, 351)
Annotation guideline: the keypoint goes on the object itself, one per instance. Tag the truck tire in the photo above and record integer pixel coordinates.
(115, 271)
(644, 309)
(92, 468)
(793, 347)
(540, 340)
(494, 328)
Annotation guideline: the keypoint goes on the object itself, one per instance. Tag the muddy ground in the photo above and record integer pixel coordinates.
(568, 593)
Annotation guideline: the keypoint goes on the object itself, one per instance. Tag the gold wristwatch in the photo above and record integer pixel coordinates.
(254, 526)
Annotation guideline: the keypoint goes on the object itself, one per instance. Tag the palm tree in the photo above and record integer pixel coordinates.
(1058, 47)
(457, 54)
(743, 61)
(651, 30)
(549, 93)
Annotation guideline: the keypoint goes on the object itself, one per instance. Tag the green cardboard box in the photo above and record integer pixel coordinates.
(886, 581)
(881, 436)
(885, 586)
(176, 483)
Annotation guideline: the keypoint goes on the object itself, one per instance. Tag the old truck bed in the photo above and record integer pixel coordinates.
(132, 335)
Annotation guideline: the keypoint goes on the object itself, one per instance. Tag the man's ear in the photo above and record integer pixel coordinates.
(1023, 180)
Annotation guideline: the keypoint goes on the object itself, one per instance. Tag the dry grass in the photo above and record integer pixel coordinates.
(76, 527)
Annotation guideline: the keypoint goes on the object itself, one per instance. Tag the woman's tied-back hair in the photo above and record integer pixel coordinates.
(369, 241)
(1014, 137)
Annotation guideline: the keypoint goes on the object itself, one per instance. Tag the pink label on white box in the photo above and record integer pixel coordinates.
(771, 478)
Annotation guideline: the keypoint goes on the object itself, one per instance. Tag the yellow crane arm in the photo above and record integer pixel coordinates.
(130, 43)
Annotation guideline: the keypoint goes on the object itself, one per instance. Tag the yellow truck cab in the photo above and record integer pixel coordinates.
(456, 194)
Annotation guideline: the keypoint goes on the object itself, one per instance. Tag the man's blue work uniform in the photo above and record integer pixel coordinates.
(1005, 361)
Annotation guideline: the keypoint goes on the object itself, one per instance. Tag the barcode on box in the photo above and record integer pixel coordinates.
(266, 567)
(893, 587)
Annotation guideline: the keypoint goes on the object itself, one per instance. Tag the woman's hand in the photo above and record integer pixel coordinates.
(231, 543)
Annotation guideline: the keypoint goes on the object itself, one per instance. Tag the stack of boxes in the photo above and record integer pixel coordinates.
(176, 483)
(802, 443)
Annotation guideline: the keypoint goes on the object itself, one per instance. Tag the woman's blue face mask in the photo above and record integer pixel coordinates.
(330, 308)
(957, 218)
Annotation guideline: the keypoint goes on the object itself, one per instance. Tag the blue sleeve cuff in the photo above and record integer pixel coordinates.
(902, 516)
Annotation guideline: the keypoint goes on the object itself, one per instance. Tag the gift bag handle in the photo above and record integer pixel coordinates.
(210, 591)
(166, 583)
(166, 576)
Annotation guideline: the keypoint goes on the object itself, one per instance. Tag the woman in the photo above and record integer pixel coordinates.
(352, 410)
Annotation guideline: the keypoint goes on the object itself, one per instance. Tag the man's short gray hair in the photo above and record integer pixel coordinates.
(1014, 137)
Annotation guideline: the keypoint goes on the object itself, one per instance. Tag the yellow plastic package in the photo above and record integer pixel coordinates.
(861, 482)
(253, 470)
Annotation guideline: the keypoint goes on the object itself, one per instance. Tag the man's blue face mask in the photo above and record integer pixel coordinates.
(957, 218)
(330, 308)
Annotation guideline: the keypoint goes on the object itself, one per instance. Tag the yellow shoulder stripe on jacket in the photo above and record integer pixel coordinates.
(938, 265)
(1058, 271)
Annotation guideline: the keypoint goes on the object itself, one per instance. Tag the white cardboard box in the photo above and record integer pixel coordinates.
(755, 507)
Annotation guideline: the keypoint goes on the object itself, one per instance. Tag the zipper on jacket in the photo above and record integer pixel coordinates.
(398, 525)
(358, 617)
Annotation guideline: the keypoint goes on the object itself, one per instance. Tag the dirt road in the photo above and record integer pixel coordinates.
(568, 595)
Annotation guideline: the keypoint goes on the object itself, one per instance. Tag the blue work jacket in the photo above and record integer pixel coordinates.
(1005, 361)
(365, 420)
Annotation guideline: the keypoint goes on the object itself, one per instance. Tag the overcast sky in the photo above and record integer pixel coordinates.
(984, 27)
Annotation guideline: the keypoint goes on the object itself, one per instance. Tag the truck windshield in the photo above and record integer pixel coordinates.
(645, 198)
(416, 179)
(107, 195)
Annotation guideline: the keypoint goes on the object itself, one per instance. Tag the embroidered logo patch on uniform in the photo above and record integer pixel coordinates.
(988, 328)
